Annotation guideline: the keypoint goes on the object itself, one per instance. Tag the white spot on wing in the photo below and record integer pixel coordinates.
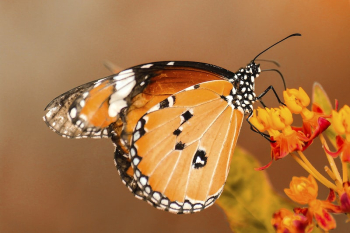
(143, 181)
(85, 94)
(136, 161)
(132, 152)
(82, 103)
(154, 108)
(124, 87)
(49, 114)
(126, 72)
(170, 63)
(165, 202)
(174, 206)
(156, 196)
(136, 135)
(147, 66)
(138, 126)
(123, 76)
(171, 101)
(187, 206)
(73, 113)
(115, 107)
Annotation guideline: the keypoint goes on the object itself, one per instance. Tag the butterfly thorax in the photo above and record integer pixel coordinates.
(242, 93)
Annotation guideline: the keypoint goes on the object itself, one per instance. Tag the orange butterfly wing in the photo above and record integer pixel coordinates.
(165, 83)
(182, 147)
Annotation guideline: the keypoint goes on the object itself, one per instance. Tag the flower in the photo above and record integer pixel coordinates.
(289, 140)
(287, 221)
(275, 120)
(262, 121)
(321, 215)
(302, 190)
(341, 123)
(314, 121)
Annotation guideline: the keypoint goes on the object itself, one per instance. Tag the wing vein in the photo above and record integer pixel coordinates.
(189, 175)
(217, 161)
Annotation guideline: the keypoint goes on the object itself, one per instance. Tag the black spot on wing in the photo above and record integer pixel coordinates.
(179, 146)
(186, 116)
(168, 102)
(164, 104)
(196, 86)
(177, 132)
(199, 159)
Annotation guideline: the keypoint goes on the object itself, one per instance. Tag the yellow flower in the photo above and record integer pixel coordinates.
(281, 118)
(261, 120)
(302, 190)
(296, 100)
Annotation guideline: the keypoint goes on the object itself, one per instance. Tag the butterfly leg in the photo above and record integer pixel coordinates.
(265, 92)
(254, 129)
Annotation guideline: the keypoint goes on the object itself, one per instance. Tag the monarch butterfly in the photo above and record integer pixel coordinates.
(174, 124)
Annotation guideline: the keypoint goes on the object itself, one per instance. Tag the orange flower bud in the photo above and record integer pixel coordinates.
(302, 190)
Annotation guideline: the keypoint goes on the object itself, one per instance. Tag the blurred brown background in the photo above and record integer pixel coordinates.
(52, 184)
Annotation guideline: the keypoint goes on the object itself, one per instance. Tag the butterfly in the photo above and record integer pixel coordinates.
(175, 126)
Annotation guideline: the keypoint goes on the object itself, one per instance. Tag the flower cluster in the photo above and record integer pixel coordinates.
(287, 139)
(277, 122)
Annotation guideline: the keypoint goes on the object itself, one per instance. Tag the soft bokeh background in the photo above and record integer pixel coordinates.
(52, 184)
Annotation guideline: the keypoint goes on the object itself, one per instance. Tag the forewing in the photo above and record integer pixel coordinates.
(182, 147)
(92, 109)
(56, 117)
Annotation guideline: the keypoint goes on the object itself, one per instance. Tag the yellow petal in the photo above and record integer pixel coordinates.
(277, 124)
(254, 120)
(290, 101)
(286, 115)
(337, 122)
(263, 116)
(303, 97)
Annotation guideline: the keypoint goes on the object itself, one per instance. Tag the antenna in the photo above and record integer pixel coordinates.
(295, 34)
(268, 60)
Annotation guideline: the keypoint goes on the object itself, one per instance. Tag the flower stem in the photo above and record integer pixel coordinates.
(316, 173)
(312, 170)
(331, 160)
(331, 174)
